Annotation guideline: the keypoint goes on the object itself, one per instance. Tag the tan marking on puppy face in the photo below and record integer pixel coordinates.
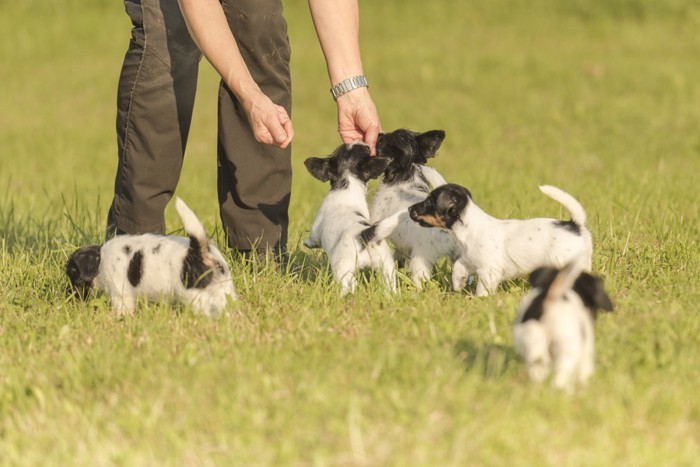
(435, 221)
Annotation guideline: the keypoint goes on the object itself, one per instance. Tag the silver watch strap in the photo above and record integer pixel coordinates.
(348, 85)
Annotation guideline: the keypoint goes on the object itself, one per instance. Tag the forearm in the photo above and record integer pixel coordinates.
(337, 25)
(209, 28)
(210, 31)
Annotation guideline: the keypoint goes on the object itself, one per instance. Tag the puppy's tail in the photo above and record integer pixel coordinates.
(193, 227)
(564, 280)
(578, 215)
(434, 178)
(199, 265)
(382, 229)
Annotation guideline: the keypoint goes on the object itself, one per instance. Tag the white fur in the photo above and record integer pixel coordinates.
(423, 247)
(163, 261)
(337, 227)
(497, 249)
(562, 339)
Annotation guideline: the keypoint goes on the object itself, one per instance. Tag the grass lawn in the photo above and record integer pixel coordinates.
(601, 98)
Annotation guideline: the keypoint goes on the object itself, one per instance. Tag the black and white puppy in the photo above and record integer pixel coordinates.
(190, 270)
(497, 249)
(553, 329)
(407, 181)
(342, 227)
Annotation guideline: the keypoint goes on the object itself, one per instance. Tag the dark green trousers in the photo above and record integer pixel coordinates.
(155, 99)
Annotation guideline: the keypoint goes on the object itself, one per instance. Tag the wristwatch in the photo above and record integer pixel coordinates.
(348, 85)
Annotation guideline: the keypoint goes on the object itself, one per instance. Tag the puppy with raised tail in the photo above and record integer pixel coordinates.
(553, 329)
(342, 227)
(407, 181)
(190, 270)
(499, 249)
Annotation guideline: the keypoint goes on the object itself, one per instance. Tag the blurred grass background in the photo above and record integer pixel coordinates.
(601, 98)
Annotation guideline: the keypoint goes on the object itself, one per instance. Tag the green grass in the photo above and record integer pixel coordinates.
(601, 98)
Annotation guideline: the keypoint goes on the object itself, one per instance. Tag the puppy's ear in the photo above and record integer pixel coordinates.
(592, 292)
(319, 167)
(374, 167)
(430, 141)
(542, 277)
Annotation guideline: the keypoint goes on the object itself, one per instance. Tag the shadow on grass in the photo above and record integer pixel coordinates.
(442, 277)
(306, 266)
(491, 361)
(312, 268)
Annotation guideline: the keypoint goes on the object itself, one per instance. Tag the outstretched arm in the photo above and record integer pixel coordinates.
(207, 24)
(337, 25)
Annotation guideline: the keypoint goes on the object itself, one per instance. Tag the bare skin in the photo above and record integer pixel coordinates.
(337, 27)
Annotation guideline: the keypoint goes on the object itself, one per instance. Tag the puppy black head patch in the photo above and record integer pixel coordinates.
(348, 160)
(82, 268)
(406, 148)
(442, 208)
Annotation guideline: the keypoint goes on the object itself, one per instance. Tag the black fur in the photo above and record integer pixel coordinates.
(570, 226)
(363, 220)
(195, 274)
(446, 202)
(368, 234)
(424, 188)
(135, 269)
(406, 148)
(535, 310)
(346, 160)
(82, 268)
(592, 293)
(588, 287)
(542, 277)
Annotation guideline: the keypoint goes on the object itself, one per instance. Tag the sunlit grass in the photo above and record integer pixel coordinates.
(600, 98)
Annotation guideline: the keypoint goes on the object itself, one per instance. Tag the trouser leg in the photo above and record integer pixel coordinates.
(155, 99)
(254, 179)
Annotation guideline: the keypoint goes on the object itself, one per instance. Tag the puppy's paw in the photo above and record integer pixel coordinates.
(538, 371)
(121, 307)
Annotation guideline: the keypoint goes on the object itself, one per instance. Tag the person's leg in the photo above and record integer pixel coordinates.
(254, 179)
(155, 99)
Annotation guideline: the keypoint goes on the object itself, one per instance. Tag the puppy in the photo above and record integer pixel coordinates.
(342, 227)
(190, 270)
(496, 249)
(407, 180)
(553, 329)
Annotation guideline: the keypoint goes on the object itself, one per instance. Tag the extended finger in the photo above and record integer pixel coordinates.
(371, 137)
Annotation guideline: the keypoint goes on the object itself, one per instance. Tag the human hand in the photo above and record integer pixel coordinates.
(270, 122)
(358, 118)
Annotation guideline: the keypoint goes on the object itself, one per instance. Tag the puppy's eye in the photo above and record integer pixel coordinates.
(452, 211)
